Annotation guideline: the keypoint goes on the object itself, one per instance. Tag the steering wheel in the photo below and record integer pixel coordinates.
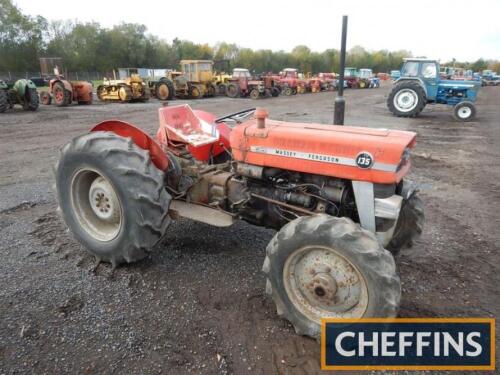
(237, 117)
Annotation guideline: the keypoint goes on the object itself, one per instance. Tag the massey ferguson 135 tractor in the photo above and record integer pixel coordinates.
(337, 196)
(420, 84)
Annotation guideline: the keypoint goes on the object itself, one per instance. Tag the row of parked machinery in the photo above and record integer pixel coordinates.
(198, 78)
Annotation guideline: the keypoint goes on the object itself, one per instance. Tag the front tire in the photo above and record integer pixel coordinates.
(323, 266)
(464, 111)
(409, 226)
(112, 196)
(407, 99)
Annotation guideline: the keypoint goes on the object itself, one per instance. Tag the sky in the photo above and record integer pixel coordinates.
(442, 29)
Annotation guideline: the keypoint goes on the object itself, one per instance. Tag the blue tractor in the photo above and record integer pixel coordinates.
(420, 84)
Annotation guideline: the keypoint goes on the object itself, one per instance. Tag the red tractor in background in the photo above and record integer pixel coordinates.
(242, 84)
(289, 80)
(328, 81)
(336, 195)
(65, 92)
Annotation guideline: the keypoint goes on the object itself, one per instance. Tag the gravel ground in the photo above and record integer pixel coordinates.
(197, 303)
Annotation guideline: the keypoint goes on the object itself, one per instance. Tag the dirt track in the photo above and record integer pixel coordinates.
(197, 304)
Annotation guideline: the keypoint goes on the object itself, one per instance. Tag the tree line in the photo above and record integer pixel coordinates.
(87, 46)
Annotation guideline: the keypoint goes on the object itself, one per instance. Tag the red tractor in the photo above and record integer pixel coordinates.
(289, 81)
(328, 81)
(242, 84)
(336, 195)
(65, 92)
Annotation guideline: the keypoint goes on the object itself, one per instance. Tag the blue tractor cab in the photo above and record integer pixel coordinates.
(420, 84)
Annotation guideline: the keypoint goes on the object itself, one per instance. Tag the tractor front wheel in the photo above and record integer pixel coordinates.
(287, 91)
(4, 101)
(254, 94)
(407, 99)
(409, 225)
(112, 197)
(45, 98)
(327, 267)
(464, 111)
(275, 91)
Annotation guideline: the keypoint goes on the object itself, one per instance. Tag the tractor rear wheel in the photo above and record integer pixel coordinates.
(112, 197)
(4, 101)
(409, 225)
(327, 267)
(464, 111)
(31, 100)
(62, 97)
(407, 99)
(233, 90)
(287, 91)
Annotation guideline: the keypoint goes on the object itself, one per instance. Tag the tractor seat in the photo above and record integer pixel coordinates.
(182, 125)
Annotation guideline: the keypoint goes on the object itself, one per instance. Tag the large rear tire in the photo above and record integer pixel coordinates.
(406, 99)
(4, 101)
(409, 226)
(62, 97)
(112, 197)
(31, 100)
(164, 90)
(323, 266)
(233, 90)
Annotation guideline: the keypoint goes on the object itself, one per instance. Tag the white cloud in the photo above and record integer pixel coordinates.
(461, 29)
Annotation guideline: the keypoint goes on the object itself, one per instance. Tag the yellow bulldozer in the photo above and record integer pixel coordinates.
(129, 89)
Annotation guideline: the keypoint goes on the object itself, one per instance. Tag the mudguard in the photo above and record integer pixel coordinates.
(65, 83)
(139, 137)
(22, 84)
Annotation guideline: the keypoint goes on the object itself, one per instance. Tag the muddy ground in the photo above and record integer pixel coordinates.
(197, 303)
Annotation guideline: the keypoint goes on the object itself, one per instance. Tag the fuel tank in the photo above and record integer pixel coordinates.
(354, 153)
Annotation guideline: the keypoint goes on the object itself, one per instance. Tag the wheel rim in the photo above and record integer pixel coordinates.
(96, 205)
(58, 95)
(406, 100)
(321, 282)
(163, 91)
(464, 112)
(195, 92)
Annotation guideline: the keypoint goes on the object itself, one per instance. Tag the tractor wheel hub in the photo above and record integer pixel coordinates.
(325, 284)
(406, 100)
(103, 200)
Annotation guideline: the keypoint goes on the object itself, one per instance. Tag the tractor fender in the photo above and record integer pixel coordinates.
(138, 136)
(419, 80)
(65, 83)
(22, 84)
